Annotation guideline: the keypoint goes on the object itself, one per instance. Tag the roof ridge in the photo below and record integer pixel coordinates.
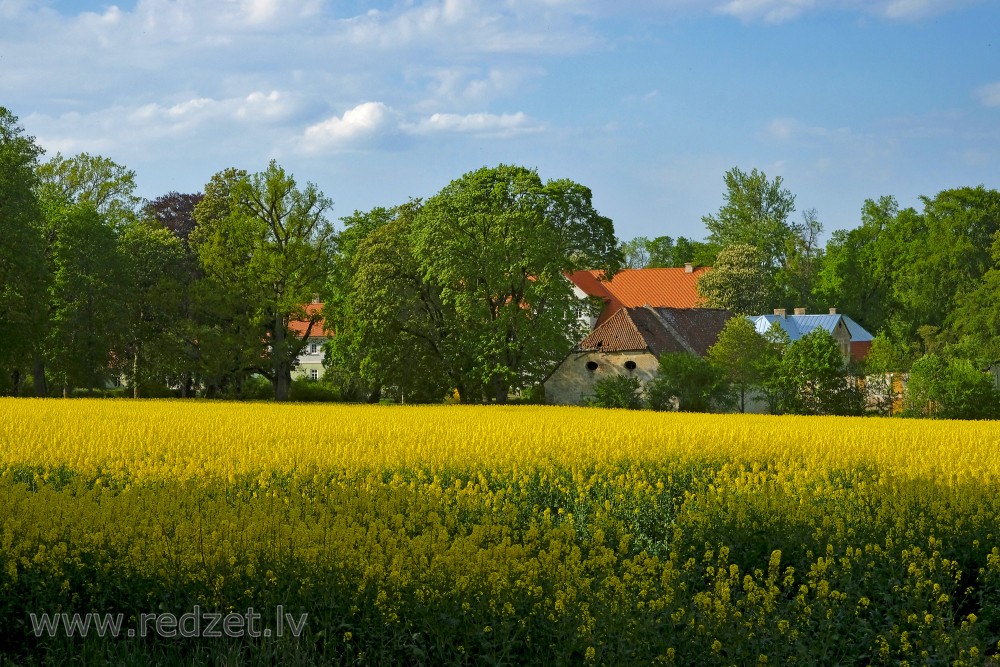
(673, 332)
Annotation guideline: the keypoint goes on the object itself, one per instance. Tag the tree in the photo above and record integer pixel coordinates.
(270, 242)
(803, 260)
(86, 299)
(498, 242)
(635, 253)
(816, 373)
(393, 328)
(174, 211)
(741, 281)
(755, 213)
(695, 383)
(153, 346)
(94, 180)
(22, 261)
(617, 391)
(950, 388)
(742, 354)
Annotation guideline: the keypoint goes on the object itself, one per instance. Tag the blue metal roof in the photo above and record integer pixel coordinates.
(797, 326)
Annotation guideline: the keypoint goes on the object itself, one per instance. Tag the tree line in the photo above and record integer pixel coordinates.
(925, 281)
(462, 294)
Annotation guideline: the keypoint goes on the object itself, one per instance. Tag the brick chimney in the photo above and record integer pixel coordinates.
(780, 312)
(800, 311)
(688, 267)
(833, 311)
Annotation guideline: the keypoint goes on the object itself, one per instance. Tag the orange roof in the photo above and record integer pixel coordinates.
(634, 288)
(618, 334)
(298, 327)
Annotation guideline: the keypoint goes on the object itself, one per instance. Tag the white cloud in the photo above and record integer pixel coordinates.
(363, 121)
(771, 11)
(480, 124)
(989, 94)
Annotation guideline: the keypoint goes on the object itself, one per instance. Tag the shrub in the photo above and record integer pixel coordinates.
(617, 391)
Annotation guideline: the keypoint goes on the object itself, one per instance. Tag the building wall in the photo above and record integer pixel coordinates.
(572, 382)
(310, 361)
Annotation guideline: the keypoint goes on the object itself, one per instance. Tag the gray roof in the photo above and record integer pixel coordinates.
(797, 326)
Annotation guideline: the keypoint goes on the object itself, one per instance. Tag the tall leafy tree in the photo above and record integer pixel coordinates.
(22, 275)
(93, 180)
(742, 354)
(755, 212)
(86, 298)
(271, 242)
(816, 374)
(152, 349)
(742, 281)
(498, 242)
(692, 383)
(174, 211)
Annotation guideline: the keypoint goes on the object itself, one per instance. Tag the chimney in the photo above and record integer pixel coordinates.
(800, 311)
(780, 312)
(688, 267)
(833, 311)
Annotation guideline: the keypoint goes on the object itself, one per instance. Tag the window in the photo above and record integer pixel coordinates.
(591, 366)
(313, 374)
(630, 365)
(313, 348)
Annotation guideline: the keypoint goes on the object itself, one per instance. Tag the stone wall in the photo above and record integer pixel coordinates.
(573, 381)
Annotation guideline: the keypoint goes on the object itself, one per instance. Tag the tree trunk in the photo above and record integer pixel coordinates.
(375, 395)
(15, 380)
(38, 376)
(135, 374)
(282, 383)
(500, 390)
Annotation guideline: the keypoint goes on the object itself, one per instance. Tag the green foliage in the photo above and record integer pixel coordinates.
(22, 263)
(93, 180)
(617, 391)
(691, 382)
(267, 242)
(744, 356)
(497, 243)
(950, 388)
(666, 252)
(755, 213)
(86, 297)
(817, 379)
(741, 281)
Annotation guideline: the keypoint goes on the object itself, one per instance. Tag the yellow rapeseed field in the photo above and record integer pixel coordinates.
(508, 535)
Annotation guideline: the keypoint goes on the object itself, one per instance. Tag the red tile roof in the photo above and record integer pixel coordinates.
(298, 327)
(634, 288)
(659, 330)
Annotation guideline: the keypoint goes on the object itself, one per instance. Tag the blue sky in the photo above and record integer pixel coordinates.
(647, 103)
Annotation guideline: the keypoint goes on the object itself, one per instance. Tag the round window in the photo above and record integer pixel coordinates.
(630, 365)
(591, 365)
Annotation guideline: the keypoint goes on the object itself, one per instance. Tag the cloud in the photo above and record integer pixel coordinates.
(479, 124)
(363, 121)
(779, 11)
(770, 11)
(989, 94)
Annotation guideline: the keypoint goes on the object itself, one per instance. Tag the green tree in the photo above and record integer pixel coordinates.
(93, 180)
(86, 297)
(950, 388)
(741, 281)
(22, 261)
(271, 242)
(498, 242)
(153, 348)
(394, 329)
(755, 213)
(695, 383)
(742, 354)
(803, 261)
(819, 381)
(617, 391)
